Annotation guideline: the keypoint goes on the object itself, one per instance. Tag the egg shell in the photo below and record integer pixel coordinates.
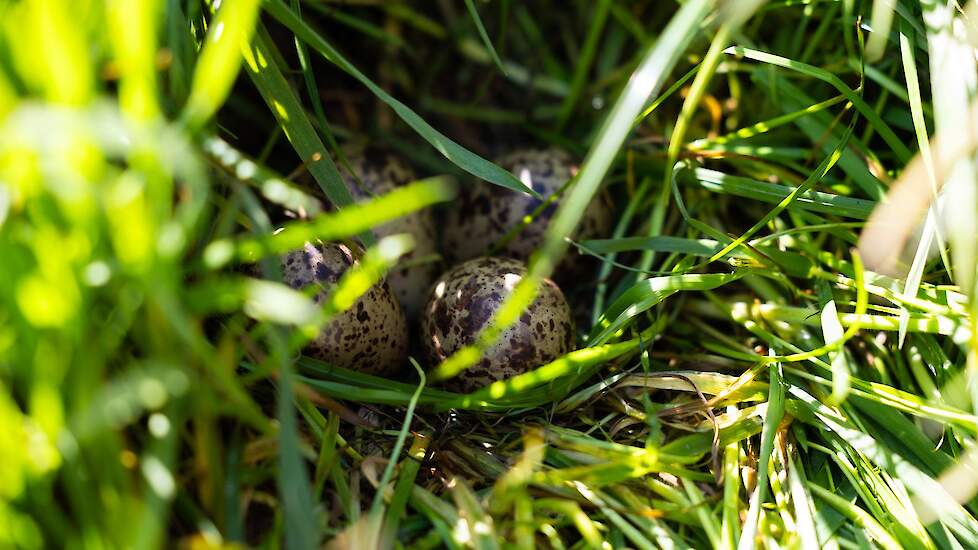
(380, 173)
(486, 212)
(464, 299)
(372, 335)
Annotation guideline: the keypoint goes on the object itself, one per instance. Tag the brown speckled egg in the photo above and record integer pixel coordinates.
(488, 212)
(464, 299)
(372, 335)
(380, 173)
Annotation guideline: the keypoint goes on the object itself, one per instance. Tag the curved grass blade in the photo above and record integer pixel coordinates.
(375, 519)
(646, 294)
(765, 126)
(862, 301)
(927, 492)
(816, 201)
(821, 129)
(857, 515)
(474, 13)
(460, 156)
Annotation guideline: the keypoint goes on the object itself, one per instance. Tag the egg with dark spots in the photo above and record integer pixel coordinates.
(464, 299)
(380, 173)
(486, 212)
(371, 336)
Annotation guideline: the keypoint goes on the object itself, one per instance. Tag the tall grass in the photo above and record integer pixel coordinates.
(748, 378)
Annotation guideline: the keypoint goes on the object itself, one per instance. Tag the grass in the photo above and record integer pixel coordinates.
(781, 347)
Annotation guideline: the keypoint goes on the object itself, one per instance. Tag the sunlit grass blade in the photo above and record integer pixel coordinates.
(927, 492)
(816, 201)
(898, 147)
(931, 231)
(818, 126)
(134, 40)
(832, 331)
(229, 33)
(648, 293)
(272, 186)
(772, 419)
(822, 169)
(348, 222)
(859, 516)
(263, 67)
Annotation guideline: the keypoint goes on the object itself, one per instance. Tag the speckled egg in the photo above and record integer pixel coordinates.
(371, 336)
(380, 173)
(488, 212)
(464, 299)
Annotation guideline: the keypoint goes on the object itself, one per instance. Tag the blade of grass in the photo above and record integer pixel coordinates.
(583, 61)
(268, 78)
(931, 229)
(219, 61)
(461, 157)
(885, 132)
(474, 14)
(293, 482)
(772, 420)
(815, 201)
(347, 222)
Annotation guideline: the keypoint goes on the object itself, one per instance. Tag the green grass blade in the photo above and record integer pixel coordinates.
(647, 294)
(378, 502)
(294, 488)
(584, 60)
(816, 201)
(474, 14)
(927, 492)
(818, 174)
(772, 419)
(461, 157)
(859, 516)
(268, 78)
(832, 331)
(897, 145)
(348, 222)
(931, 230)
(229, 33)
